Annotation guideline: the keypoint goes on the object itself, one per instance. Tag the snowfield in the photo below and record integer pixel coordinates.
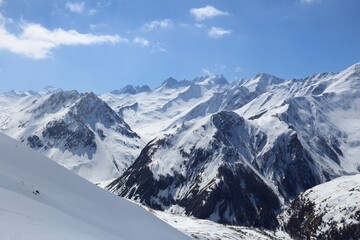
(40, 200)
(208, 230)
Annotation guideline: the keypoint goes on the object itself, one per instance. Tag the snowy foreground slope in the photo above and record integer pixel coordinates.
(327, 211)
(41, 200)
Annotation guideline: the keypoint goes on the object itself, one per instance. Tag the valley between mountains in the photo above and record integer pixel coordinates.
(258, 158)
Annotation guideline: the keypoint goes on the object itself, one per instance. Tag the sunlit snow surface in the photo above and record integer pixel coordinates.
(208, 230)
(335, 203)
(41, 200)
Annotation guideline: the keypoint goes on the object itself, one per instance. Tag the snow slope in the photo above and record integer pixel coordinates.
(327, 211)
(209, 230)
(41, 200)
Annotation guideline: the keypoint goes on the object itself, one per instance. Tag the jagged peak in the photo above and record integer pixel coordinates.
(63, 96)
(50, 89)
(261, 82)
(268, 78)
(13, 93)
(130, 89)
(89, 101)
(319, 75)
(91, 107)
(173, 83)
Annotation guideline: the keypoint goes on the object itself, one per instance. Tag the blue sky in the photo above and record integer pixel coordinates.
(99, 45)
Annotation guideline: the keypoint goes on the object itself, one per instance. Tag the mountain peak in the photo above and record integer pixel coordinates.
(173, 83)
(261, 82)
(354, 68)
(268, 78)
(130, 89)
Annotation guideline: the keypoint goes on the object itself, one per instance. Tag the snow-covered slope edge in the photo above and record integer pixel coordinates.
(41, 200)
(209, 230)
(327, 211)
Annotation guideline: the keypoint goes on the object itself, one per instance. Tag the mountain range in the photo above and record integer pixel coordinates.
(234, 153)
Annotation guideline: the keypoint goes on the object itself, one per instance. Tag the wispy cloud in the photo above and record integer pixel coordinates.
(157, 24)
(2, 2)
(239, 70)
(206, 12)
(97, 26)
(37, 42)
(76, 7)
(216, 32)
(199, 25)
(158, 48)
(92, 11)
(141, 41)
(309, 1)
(207, 72)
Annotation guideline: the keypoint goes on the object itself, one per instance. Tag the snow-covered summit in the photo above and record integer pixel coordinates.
(130, 89)
(262, 82)
(173, 83)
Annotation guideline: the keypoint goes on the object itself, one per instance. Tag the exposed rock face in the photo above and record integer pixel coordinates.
(215, 182)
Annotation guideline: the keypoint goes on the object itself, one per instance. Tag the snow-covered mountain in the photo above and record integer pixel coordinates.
(327, 211)
(79, 131)
(41, 200)
(235, 153)
(129, 89)
(205, 171)
(150, 113)
(229, 152)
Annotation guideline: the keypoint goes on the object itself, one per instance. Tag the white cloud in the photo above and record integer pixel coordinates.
(207, 12)
(76, 7)
(2, 2)
(156, 24)
(216, 32)
(141, 41)
(37, 42)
